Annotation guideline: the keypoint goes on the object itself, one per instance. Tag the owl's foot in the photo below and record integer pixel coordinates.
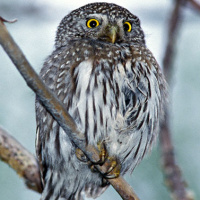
(103, 155)
(111, 165)
(113, 168)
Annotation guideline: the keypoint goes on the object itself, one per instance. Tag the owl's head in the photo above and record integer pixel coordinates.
(101, 22)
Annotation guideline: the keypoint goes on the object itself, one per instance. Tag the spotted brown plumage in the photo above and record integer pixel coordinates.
(111, 85)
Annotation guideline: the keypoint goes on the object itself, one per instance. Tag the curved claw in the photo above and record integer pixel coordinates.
(113, 170)
(103, 153)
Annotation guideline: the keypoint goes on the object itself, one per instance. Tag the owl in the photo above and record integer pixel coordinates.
(111, 85)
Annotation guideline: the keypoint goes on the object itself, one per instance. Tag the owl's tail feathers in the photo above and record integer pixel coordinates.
(64, 188)
(92, 191)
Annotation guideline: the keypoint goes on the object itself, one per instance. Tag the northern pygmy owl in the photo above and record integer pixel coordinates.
(111, 85)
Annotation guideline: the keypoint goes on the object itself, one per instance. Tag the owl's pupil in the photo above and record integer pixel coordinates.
(126, 27)
(93, 24)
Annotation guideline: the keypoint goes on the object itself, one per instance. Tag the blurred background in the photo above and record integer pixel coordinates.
(35, 32)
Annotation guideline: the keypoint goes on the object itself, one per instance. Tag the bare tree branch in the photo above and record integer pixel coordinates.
(195, 4)
(172, 172)
(23, 162)
(172, 33)
(57, 110)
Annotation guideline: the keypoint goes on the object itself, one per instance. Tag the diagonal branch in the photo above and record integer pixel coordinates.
(172, 172)
(57, 110)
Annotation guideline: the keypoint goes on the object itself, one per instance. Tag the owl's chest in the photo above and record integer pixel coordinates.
(101, 84)
(96, 96)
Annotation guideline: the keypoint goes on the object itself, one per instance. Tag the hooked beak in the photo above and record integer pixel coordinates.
(112, 33)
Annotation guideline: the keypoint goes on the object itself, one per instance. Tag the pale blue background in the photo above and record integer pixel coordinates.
(35, 31)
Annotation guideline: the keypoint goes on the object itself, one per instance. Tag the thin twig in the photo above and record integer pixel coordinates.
(172, 33)
(57, 110)
(172, 172)
(195, 4)
(7, 21)
(23, 162)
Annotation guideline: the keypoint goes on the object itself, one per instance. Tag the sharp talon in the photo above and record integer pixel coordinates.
(80, 155)
(114, 169)
(103, 153)
(112, 166)
(111, 176)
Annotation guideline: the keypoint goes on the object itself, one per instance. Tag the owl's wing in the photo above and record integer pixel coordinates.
(44, 125)
(143, 92)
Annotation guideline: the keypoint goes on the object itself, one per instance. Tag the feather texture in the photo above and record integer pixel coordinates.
(114, 92)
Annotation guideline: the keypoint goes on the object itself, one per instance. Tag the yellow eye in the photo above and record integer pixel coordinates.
(127, 26)
(92, 23)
